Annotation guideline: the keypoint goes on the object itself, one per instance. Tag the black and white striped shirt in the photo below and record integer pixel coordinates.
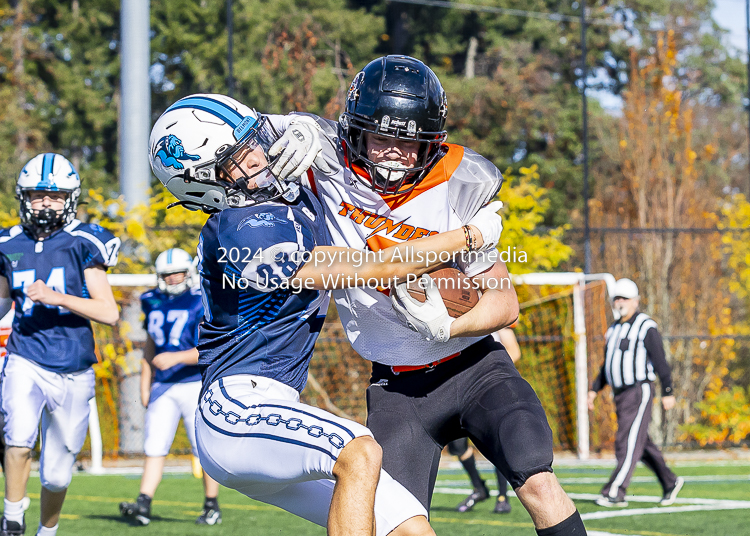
(634, 353)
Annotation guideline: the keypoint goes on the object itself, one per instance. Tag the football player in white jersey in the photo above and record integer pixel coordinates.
(389, 177)
(170, 378)
(262, 281)
(53, 267)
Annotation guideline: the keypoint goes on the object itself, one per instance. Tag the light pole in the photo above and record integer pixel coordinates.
(584, 74)
(230, 56)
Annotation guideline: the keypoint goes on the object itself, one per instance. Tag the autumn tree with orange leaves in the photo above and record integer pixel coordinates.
(657, 184)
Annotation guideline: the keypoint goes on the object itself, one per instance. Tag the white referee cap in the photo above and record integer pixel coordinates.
(625, 288)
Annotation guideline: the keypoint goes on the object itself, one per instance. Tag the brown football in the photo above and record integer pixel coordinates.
(456, 289)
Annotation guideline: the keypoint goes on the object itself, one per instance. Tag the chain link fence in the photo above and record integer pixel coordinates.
(338, 377)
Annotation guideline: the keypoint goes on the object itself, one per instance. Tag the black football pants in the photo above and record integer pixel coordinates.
(479, 395)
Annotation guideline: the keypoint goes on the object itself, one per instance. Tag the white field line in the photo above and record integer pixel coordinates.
(692, 504)
(647, 479)
(123, 471)
(636, 479)
(466, 491)
(728, 505)
(573, 463)
(600, 533)
(655, 499)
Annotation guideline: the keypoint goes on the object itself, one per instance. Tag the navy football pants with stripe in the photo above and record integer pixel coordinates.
(633, 444)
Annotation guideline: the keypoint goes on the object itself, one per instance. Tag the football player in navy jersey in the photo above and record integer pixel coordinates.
(54, 268)
(265, 263)
(170, 378)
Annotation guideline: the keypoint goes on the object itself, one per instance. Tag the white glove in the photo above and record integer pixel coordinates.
(431, 318)
(490, 224)
(298, 149)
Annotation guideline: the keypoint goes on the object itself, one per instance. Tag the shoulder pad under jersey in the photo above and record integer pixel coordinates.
(98, 239)
(10, 233)
(474, 183)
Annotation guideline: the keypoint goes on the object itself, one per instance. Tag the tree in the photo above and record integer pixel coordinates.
(656, 185)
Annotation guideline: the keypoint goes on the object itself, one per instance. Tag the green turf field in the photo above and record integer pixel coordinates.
(706, 509)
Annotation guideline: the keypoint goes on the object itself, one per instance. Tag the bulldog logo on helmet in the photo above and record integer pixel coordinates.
(171, 152)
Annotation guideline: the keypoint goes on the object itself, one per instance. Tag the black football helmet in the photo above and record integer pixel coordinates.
(396, 97)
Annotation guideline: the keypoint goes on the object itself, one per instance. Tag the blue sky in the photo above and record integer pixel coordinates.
(730, 14)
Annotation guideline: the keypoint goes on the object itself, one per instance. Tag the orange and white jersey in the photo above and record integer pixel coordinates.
(458, 185)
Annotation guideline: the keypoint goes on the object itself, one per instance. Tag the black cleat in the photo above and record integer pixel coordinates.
(136, 511)
(209, 516)
(12, 528)
(502, 507)
(478, 495)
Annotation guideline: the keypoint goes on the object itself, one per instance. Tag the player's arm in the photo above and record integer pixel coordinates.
(599, 383)
(341, 265)
(101, 307)
(6, 303)
(399, 261)
(166, 360)
(655, 351)
(147, 373)
(496, 309)
(508, 339)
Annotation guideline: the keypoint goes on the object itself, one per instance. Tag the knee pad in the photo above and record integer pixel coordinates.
(458, 447)
(56, 478)
(56, 468)
(519, 428)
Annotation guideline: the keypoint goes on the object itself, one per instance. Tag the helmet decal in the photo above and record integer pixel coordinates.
(197, 151)
(444, 106)
(217, 108)
(170, 151)
(353, 93)
(241, 124)
(48, 181)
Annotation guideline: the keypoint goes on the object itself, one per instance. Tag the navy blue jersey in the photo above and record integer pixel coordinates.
(172, 323)
(255, 322)
(53, 337)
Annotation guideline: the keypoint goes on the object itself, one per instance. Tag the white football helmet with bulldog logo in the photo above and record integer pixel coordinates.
(200, 141)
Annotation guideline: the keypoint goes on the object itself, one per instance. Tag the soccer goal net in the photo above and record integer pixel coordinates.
(561, 328)
(560, 331)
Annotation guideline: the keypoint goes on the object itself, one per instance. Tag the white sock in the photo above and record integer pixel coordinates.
(44, 531)
(13, 511)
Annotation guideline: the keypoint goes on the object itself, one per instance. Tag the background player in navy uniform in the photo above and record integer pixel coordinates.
(387, 157)
(171, 378)
(263, 313)
(54, 268)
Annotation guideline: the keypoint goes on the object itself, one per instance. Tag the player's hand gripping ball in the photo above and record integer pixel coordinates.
(431, 304)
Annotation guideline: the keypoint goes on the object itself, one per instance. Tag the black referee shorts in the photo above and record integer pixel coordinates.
(479, 395)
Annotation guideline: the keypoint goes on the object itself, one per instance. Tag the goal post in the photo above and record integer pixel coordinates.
(578, 282)
(561, 331)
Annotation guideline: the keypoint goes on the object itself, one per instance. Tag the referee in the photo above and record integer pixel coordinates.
(634, 357)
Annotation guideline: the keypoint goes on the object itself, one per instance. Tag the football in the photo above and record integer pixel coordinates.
(456, 289)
